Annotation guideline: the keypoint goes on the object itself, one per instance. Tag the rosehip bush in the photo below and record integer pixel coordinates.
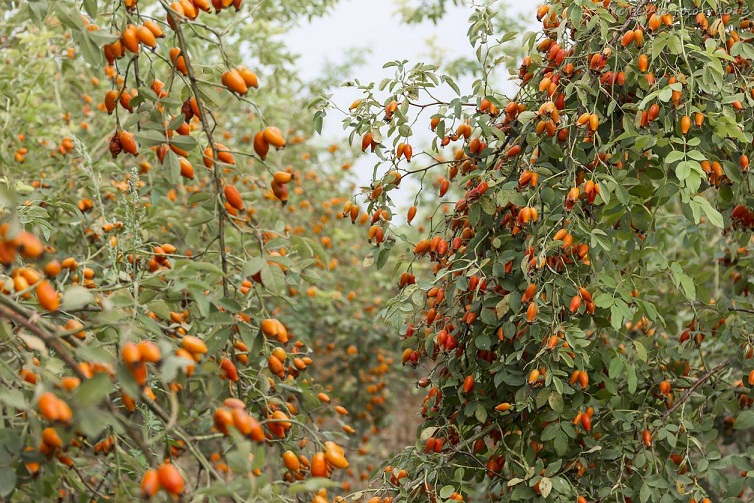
(581, 295)
(173, 260)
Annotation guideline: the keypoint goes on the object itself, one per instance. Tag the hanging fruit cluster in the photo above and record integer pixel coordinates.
(147, 304)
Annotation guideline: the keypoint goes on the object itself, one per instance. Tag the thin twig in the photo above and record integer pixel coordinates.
(741, 310)
(693, 387)
(631, 17)
(89, 487)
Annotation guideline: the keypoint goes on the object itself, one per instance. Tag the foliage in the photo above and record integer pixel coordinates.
(184, 277)
(587, 326)
(416, 11)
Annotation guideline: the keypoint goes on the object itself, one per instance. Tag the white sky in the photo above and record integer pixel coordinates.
(374, 24)
(326, 37)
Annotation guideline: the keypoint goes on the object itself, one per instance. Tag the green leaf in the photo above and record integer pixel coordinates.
(631, 378)
(616, 317)
(91, 7)
(319, 250)
(184, 142)
(382, 257)
(89, 49)
(198, 197)
(196, 266)
(177, 122)
(76, 297)
(480, 413)
(616, 365)
(683, 280)
(674, 156)
(7, 480)
(452, 84)
(526, 116)
(641, 351)
(684, 169)
(542, 397)
(604, 300)
(550, 432)
(172, 168)
(561, 443)
(319, 120)
(160, 308)
(202, 301)
(253, 266)
(553, 467)
(150, 137)
(273, 278)
(483, 341)
(556, 401)
(599, 238)
(68, 17)
(645, 493)
(13, 398)
(94, 353)
(93, 422)
(102, 37)
(665, 94)
(93, 390)
(170, 366)
(713, 215)
(745, 420)
(446, 491)
(312, 485)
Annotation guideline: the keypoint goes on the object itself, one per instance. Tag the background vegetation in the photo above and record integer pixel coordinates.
(201, 301)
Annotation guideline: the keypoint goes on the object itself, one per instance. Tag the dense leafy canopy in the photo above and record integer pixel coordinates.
(188, 304)
(140, 292)
(587, 323)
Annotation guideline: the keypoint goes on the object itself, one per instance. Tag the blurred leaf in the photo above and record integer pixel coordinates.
(312, 485)
(91, 391)
(13, 398)
(76, 297)
(745, 420)
(7, 480)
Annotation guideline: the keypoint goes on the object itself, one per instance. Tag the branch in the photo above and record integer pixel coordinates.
(481, 434)
(91, 489)
(631, 17)
(9, 310)
(741, 310)
(693, 387)
(438, 102)
(177, 20)
(13, 312)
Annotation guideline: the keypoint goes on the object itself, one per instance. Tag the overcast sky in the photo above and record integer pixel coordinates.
(374, 24)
